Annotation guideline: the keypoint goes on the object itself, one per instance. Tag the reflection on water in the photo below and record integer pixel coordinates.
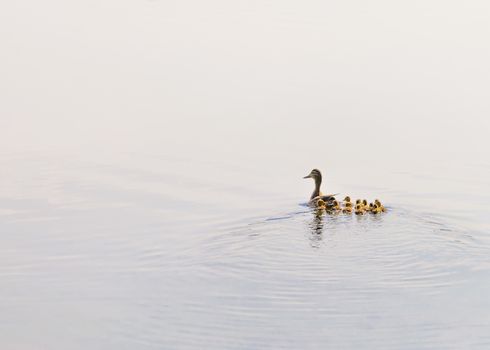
(317, 222)
(120, 257)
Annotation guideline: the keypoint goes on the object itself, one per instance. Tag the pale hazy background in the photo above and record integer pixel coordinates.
(151, 164)
(286, 76)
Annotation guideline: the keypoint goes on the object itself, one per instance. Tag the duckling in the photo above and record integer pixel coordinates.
(320, 203)
(362, 205)
(376, 209)
(359, 210)
(370, 207)
(347, 209)
(316, 175)
(336, 206)
(381, 206)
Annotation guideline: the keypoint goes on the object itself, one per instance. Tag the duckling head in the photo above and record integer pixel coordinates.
(320, 203)
(347, 199)
(364, 202)
(376, 201)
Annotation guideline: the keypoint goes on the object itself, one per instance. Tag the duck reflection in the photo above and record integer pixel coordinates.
(316, 225)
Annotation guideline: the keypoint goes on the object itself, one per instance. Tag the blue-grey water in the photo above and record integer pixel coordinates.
(148, 254)
(152, 156)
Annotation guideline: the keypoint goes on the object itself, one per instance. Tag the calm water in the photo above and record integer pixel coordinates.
(152, 156)
(143, 253)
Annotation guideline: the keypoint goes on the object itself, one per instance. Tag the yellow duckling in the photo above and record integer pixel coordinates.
(359, 210)
(370, 207)
(376, 209)
(347, 202)
(320, 204)
(347, 209)
(336, 206)
(381, 206)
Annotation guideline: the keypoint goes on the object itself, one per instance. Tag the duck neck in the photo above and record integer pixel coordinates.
(316, 192)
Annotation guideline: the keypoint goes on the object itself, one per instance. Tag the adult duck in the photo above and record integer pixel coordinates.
(316, 175)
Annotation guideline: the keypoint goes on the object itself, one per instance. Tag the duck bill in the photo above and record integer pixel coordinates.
(307, 176)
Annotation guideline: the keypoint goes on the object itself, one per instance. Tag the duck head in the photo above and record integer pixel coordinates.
(316, 175)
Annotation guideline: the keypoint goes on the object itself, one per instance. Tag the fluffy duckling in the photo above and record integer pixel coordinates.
(347, 202)
(370, 207)
(336, 206)
(347, 209)
(358, 204)
(381, 206)
(320, 204)
(359, 210)
(376, 209)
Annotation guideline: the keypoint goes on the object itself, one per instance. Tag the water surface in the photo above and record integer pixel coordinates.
(148, 255)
